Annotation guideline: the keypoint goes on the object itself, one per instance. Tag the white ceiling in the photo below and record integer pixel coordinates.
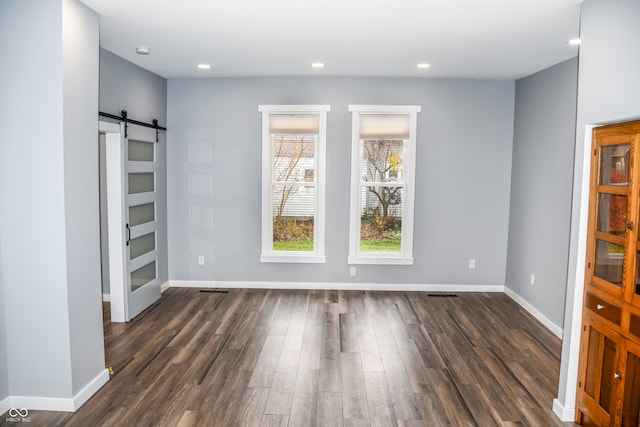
(478, 39)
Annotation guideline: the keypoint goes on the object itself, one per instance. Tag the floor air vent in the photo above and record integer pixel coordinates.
(443, 295)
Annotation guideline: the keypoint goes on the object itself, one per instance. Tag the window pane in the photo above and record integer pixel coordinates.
(381, 219)
(294, 157)
(141, 183)
(609, 261)
(614, 165)
(293, 217)
(612, 214)
(382, 160)
(140, 151)
(141, 214)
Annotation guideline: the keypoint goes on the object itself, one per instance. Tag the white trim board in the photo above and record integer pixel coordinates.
(64, 404)
(564, 414)
(5, 405)
(166, 285)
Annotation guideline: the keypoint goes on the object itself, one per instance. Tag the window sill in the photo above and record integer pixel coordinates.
(380, 260)
(293, 258)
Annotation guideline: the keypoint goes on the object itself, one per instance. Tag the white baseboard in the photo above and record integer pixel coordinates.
(166, 285)
(90, 389)
(336, 286)
(106, 297)
(63, 404)
(566, 415)
(555, 329)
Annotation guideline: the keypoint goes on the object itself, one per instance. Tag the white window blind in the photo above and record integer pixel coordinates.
(294, 123)
(384, 126)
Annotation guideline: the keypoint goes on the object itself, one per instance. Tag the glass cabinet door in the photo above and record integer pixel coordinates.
(612, 212)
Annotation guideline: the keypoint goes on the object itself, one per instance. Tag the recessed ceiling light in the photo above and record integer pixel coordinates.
(318, 65)
(574, 41)
(424, 65)
(143, 50)
(204, 66)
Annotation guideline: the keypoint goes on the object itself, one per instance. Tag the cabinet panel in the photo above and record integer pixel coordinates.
(601, 346)
(631, 377)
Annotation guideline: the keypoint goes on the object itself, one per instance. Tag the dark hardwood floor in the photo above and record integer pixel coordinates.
(324, 358)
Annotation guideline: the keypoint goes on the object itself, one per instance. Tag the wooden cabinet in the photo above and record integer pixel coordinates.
(609, 381)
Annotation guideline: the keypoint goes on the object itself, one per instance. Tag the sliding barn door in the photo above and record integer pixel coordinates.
(142, 285)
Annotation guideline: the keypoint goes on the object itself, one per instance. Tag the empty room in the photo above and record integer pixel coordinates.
(409, 213)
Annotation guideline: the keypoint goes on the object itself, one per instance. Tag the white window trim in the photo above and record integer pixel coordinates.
(267, 253)
(405, 257)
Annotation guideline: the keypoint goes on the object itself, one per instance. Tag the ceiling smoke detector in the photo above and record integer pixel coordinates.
(143, 50)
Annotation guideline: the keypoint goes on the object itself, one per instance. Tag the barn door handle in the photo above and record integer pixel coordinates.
(128, 234)
(617, 375)
(630, 225)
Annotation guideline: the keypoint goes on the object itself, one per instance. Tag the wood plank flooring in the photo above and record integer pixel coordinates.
(324, 358)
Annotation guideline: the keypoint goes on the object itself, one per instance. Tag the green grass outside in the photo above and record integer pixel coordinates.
(380, 245)
(365, 246)
(294, 245)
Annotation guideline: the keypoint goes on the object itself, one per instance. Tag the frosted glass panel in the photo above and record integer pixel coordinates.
(141, 183)
(141, 245)
(141, 151)
(141, 214)
(143, 275)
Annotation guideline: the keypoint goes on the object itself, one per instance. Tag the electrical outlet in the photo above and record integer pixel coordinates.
(532, 280)
(352, 271)
(201, 260)
(472, 264)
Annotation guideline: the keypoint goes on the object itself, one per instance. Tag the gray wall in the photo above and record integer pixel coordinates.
(544, 136)
(608, 91)
(80, 39)
(4, 368)
(48, 185)
(464, 142)
(125, 86)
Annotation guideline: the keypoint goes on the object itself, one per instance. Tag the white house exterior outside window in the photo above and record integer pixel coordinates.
(383, 152)
(293, 183)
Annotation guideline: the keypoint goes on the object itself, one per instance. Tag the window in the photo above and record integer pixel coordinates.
(382, 184)
(293, 171)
